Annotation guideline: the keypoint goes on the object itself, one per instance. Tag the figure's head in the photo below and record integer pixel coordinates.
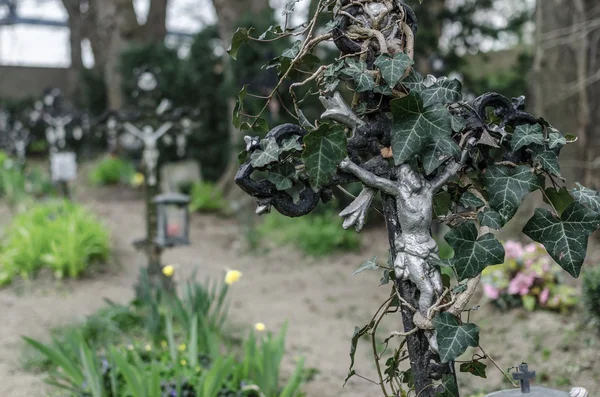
(407, 176)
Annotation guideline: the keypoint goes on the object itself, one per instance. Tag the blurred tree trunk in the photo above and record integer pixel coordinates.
(566, 80)
(111, 26)
(75, 36)
(229, 13)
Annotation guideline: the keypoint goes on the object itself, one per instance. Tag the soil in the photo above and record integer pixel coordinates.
(318, 298)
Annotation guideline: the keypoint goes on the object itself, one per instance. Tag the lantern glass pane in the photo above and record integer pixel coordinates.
(175, 222)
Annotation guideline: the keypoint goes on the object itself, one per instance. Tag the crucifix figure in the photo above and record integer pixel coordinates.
(524, 376)
(56, 133)
(181, 138)
(149, 137)
(111, 134)
(417, 258)
(19, 136)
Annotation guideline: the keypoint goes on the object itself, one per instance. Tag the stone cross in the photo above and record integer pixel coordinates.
(149, 137)
(20, 139)
(55, 132)
(524, 376)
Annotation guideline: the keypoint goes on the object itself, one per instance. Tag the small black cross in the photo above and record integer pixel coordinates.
(524, 376)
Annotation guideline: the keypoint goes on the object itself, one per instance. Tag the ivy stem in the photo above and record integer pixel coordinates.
(497, 367)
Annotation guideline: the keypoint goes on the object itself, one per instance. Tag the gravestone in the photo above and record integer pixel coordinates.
(173, 175)
(63, 166)
(524, 376)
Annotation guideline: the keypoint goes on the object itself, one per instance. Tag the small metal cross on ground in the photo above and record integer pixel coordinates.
(524, 376)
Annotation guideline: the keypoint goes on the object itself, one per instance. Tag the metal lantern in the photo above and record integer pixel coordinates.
(173, 219)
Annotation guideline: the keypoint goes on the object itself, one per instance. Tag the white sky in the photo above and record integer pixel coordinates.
(48, 46)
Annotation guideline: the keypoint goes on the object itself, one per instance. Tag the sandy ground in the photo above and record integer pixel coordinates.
(318, 298)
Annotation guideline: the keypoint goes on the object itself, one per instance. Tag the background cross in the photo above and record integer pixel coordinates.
(524, 376)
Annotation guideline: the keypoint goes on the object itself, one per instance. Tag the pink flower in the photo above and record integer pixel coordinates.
(513, 249)
(544, 296)
(520, 284)
(490, 291)
(529, 262)
(531, 248)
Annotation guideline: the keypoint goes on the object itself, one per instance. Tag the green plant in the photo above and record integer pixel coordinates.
(111, 171)
(317, 235)
(433, 155)
(114, 353)
(261, 363)
(591, 292)
(205, 197)
(60, 236)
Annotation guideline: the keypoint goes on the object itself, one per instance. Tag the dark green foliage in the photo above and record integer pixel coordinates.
(591, 292)
(118, 351)
(111, 171)
(60, 236)
(206, 198)
(317, 234)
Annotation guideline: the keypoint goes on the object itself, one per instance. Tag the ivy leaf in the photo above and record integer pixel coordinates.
(474, 368)
(565, 237)
(547, 159)
(290, 145)
(240, 37)
(392, 69)
(325, 148)
(237, 119)
(415, 126)
(508, 186)
(282, 175)
(358, 333)
(275, 30)
(441, 204)
(490, 218)
(289, 7)
(560, 199)
(358, 72)
(472, 254)
(260, 125)
(587, 197)
(414, 82)
(383, 90)
(365, 82)
(438, 152)
(293, 51)
(450, 387)
(371, 264)
(469, 200)
(526, 135)
(444, 91)
(458, 123)
(269, 153)
(454, 339)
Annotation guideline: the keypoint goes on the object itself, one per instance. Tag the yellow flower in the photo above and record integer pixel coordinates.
(138, 179)
(260, 327)
(168, 270)
(183, 363)
(148, 348)
(163, 344)
(129, 347)
(182, 347)
(232, 276)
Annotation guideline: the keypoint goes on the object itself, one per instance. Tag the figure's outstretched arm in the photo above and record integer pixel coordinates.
(368, 178)
(133, 130)
(67, 120)
(452, 168)
(162, 130)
